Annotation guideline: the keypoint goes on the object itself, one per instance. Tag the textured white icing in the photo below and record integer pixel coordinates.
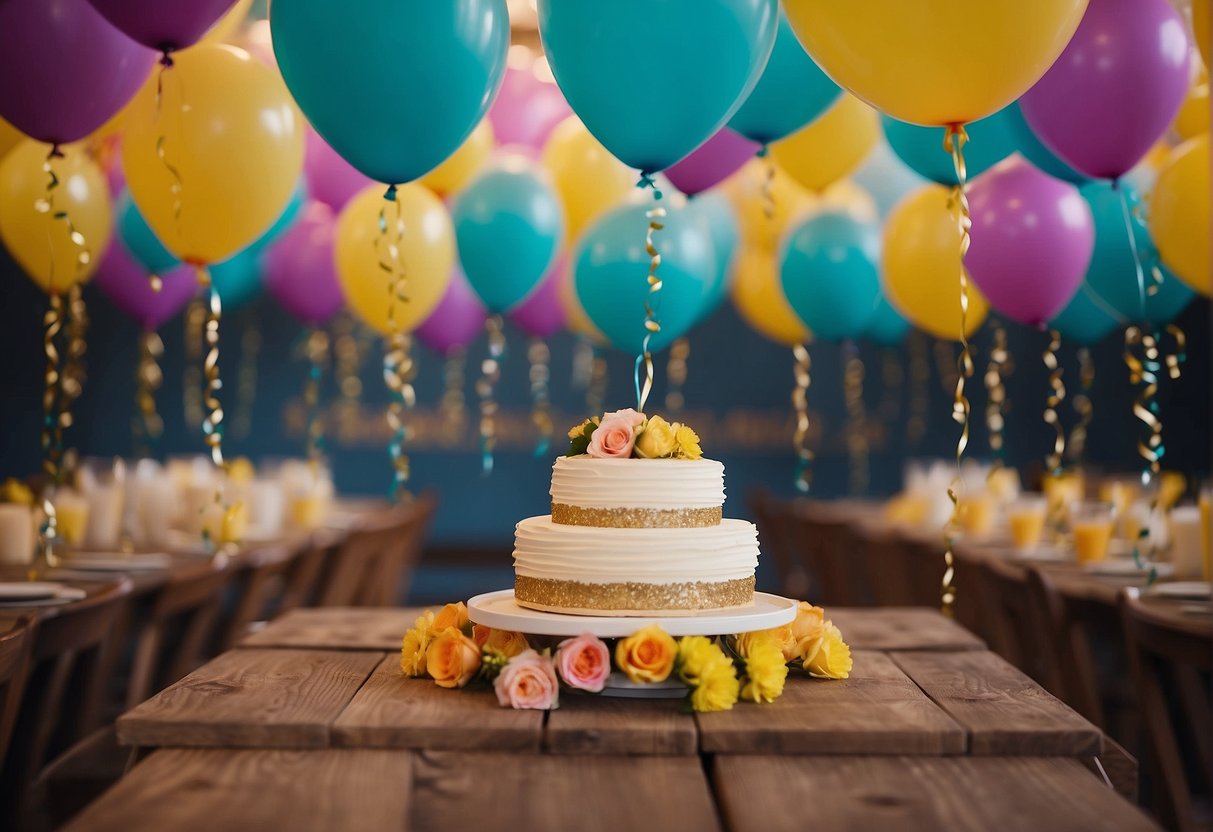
(543, 549)
(589, 482)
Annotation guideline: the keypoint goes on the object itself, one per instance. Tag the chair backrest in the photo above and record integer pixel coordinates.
(260, 583)
(14, 667)
(1167, 655)
(1005, 594)
(775, 534)
(1064, 647)
(819, 539)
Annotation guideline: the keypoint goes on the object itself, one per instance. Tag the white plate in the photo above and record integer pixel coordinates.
(145, 562)
(498, 609)
(28, 590)
(59, 594)
(1127, 568)
(1193, 590)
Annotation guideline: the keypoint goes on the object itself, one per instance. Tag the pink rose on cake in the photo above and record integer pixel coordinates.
(615, 435)
(528, 681)
(584, 662)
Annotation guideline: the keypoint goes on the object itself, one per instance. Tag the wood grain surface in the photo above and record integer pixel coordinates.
(337, 628)
(901, 628)
(588, 724)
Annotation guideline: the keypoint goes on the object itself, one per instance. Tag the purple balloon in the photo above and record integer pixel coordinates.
(712, 162)
(330, 179)
(299, 270)
(164, 26)
(526, 109)
(1116, 87)
(66, 70)
(457, 319)
(121, 279)
(542, 314)
(1032, 240)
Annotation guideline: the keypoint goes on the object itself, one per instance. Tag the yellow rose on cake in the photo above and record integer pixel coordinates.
(656, 439)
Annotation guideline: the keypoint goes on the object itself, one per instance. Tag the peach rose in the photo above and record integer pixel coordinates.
(631, 416)
(506, 642)
(584, 662)
(452, 659)
(452, 615)
(612, 439)
(528, 681)
(647, 655)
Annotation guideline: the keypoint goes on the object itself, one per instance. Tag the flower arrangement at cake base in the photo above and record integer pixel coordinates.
(717, 672)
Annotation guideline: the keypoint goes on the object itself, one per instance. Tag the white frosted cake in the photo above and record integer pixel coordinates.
(631, 536)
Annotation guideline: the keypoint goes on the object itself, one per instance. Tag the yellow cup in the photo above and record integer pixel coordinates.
(1091, 525)
(1026, 518)
(71, 517)
(976, 514)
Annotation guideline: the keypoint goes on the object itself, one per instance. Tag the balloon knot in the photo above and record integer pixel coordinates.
(763, 151)
(390, 193)
(56, 152)
(166, 56)
(647, 181)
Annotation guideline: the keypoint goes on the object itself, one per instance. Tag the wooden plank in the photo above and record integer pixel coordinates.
(1004, 711)
(878, 710)
(209, 789)
(609, 725)
(336, 628)
(392, 711)
(902, 628)
(490, 792)
(913, 794)
(252, 699)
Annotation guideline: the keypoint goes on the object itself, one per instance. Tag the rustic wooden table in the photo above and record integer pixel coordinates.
(310, 725)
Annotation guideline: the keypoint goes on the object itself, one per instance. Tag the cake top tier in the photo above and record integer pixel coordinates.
(644, 485)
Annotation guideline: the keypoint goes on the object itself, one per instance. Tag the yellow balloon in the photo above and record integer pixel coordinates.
(588, 178)
(228, 26)
(935, 62)
(832, 146)
(427, 254)
(759, 299)
(231, 133)
(463, 164)
(1193, 116)
(764, 212)
(1202, 23)
(1179, 214)
(10, 137)
(920, 264)
(38, 240)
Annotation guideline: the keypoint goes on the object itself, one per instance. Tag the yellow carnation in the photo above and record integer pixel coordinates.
(414, 645)
(656, 439)
(577, 430)
(765, 670)
(716, 688)
(827, 657)
(686, 443)
(15, 491)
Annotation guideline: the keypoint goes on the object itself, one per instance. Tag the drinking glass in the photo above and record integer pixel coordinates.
(1026, 518)
(1091, 526)
(16, 534)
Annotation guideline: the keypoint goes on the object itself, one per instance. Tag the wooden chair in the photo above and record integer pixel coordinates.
(775, 523)
(14, 667)
(1064, 646)
(1005, 594)
(260, 585)
(1162, 650)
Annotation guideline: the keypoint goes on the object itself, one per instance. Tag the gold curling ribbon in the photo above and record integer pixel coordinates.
(76, 329)
(853, 373)
(486, 388)
(1076, 447)
(52, 432)
(676, 374)
(540, 356)
(147, 427)
(954, 142)
(191, 383)
(212, 423)
(996, 389)
(246, 378)
(317, 346)
(398, 367)
(176, 184)
(802, 369)
(651, 325)
(453, 406)
(768, 184)
(350, 351)
(1057, 395)
(1145, 370)
(920, 378)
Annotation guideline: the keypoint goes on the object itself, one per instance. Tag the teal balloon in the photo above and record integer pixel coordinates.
(1085, 320)
(140, 240)
(611, 267)
(887, 327)
(508, 226)
(394, 87)
(238, 279)
(716, 212)
(830, 275)
(1034, 150)
(921, 148)
(791, 92)
(1113, 274)
(654, 79)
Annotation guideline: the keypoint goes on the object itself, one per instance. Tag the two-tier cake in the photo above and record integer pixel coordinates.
(636, 527)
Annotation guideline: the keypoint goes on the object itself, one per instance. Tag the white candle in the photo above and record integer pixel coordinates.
(16, 534)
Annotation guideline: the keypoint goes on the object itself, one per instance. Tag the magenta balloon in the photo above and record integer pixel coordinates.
(1116, 87)
(457, 320)
(299, 270)
(527, 109)
(330, 179)
(542, 314)
(65, 70)
(1032, 240)
(712, 162)
(166, 26)
(121, 279)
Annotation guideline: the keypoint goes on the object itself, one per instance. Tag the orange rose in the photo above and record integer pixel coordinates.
(452, 659)
(506, 642)
(647, 655)
(809, 623)
(452, 615)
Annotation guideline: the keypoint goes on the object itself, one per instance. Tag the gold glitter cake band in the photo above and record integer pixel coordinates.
(636, 518)
(632, 598)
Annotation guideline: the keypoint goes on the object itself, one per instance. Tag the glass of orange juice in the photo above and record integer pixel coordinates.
(1206, 530)
(1091, 526)
(1026, 518)
(976, 514)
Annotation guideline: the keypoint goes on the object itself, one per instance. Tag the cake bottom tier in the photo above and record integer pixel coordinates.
(633, 598)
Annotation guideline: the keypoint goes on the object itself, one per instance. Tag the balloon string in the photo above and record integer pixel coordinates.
(1077, 446)
(176, 184)
(539, 357)
(46, 205)
(1144, 290)
(1057, 394)
(595, 393)
(52, 430)
(212, 423)
(486, 388)
(651, 325)
(954, 142)
(398, 367)
(920, 379)
(454, 402)
(996, 402)
(676, 373)
(853, 373)
(802, 372)
(76, 329)
(195, 324)
(148, 426)
(768, 184)
(317, 357)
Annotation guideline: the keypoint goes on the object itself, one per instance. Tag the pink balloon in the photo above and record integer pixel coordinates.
(541, 314)
(121, 279)
(1032, 240)
(527, 109)
(456, 321)
(1116, 87)
(330, 179)
(299, 270)
(713, 162)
